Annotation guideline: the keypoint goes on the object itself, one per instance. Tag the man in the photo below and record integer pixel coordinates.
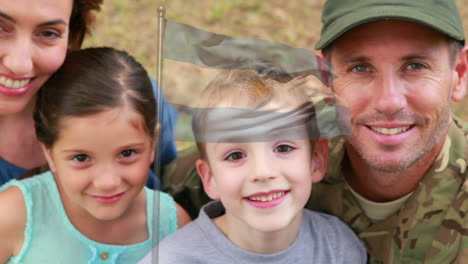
(400, 179)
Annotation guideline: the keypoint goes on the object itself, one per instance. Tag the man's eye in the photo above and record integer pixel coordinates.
(127, 153)
(283, 148)
(415, 66)
(360, 68)
(235, 156)
(81, 157)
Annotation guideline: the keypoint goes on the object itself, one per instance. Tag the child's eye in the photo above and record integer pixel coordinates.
(127, 153)
(235, 156)
(283, 148)
(81, 157)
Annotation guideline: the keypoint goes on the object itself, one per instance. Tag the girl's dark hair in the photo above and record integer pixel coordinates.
(91, 81)
(81, 19)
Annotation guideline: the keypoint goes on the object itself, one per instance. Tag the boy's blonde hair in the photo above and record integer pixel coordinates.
(248, 89)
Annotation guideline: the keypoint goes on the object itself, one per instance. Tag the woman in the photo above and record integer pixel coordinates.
(35, 36)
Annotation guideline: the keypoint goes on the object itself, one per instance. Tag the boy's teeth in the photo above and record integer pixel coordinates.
(266, 198)
(390, 131)
(9, 83)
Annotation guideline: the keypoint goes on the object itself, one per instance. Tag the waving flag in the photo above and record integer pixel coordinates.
(210, 50)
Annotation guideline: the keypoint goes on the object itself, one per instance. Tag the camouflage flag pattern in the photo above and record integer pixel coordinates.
(186, 43)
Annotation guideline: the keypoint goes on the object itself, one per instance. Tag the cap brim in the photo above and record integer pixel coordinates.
(352, 20)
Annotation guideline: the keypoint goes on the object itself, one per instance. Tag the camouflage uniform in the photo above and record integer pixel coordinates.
(181, 180)
(431, 227)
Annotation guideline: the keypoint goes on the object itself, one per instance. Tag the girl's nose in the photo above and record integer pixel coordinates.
(108, 178)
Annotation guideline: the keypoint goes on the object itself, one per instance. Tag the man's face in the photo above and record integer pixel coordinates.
(397, 79)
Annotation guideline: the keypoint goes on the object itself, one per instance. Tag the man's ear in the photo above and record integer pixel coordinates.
(319, 160)
(206, 176)
(48, 155)
(461, 71)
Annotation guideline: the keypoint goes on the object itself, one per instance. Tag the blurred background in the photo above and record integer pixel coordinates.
(132, 25)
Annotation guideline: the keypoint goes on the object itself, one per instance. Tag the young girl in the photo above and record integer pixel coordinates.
(95, 120)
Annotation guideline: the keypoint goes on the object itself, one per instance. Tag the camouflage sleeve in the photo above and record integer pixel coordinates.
(432, 226)
(181, 180)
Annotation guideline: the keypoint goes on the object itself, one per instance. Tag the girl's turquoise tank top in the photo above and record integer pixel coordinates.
(50, 237)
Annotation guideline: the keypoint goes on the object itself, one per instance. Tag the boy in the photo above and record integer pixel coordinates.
(259, 141)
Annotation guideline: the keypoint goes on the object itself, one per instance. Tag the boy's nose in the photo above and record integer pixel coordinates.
(263, 169)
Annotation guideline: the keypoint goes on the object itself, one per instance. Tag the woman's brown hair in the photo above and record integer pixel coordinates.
(81, 20)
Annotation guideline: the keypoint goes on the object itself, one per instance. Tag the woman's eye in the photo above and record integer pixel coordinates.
(127, 153)
(235, 156)
(81, 157)
(283, 148)
(50, 34)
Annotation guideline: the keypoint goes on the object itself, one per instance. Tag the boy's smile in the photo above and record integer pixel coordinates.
(267, 199)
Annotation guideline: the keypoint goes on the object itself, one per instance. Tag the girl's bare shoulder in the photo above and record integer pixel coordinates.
(12, 222)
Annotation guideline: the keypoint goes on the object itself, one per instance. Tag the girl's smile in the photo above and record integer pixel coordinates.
(110, 199)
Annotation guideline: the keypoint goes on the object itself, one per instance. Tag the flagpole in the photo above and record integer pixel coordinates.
(161, 24)
(159, 107)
